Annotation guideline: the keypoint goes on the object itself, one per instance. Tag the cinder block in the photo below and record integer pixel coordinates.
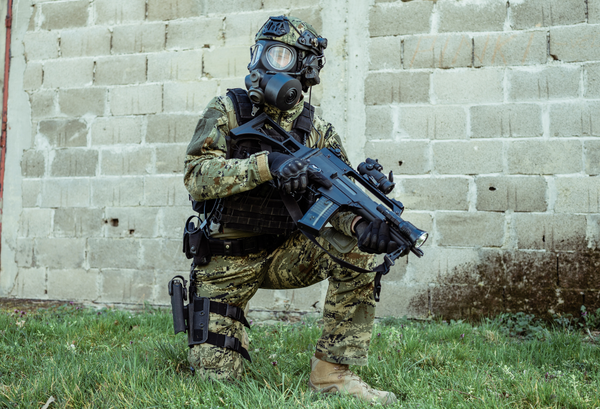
(172, 219)
(64, 133)
(172, 10)
(311, 15)
(433, 122)
(64, 14)
(448, 193)
(141, 99)
(510, 49)
(195, 33)
(126, 286)
(78, 222)
(575, 43)
(162, 254)
(227, 6)
(521, 194)
(546, 83)
(462, 16)
(467, 229)
(544, 157)
(78, 102)
(50, 252)
(226, 62)
(35, 223)
(507, 120)
(390, 19)
(468, 86)
(440, 265)
(24, 252)
(591, 149)
(544, 13)
(127, 161)
(66, 192)
(401, 157)
(139, 38)
(192, 97)
(32, 192)
(170, 128)
(385, 53)
(117, 191)
(404, 87)
(33, 164)
(89, 41)
(120, 70)
(240, 29)
(32, 79)
(551, 232)
(169, 158)
(73, 284)
(467, 157)
(118, 12)
(117, 130)
(593, 231)
(579, 270)
(120, 253)
(438, 51)
(68, 73)
(74, 162)
(175, 66)
(575, 119)
(591, 88)
(593, 11)
(130, 222)
(276, 4)
(31, 283)
(379, 122)
(40, 45)
(42, 104)
(577, 194)
(165, 191)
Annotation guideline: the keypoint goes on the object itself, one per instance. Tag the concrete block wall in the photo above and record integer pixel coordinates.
(486, 111)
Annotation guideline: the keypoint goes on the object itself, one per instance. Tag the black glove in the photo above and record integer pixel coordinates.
(374, 237)
(292, 174)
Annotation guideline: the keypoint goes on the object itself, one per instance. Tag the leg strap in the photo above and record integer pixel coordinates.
(198, 319)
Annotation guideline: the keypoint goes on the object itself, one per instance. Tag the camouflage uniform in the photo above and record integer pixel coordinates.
(349, 307)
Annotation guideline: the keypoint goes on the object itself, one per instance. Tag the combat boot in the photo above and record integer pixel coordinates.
(326, 377)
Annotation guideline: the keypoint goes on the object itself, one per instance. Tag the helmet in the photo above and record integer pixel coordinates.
(287, 57)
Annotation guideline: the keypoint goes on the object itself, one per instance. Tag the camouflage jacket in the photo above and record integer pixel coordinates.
(209, 175)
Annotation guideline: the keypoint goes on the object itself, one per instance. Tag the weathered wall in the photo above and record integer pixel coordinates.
(487, 112)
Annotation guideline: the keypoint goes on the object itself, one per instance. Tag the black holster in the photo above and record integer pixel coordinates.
(196, 243)
(194, 318)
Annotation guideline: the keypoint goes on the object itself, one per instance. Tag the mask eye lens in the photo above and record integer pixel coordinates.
(280, 58)
(255, 52)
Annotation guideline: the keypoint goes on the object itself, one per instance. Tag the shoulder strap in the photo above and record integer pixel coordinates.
(241, 104)
(303, 124)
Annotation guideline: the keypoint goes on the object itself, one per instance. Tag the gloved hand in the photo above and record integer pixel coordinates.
(374, 237)
(292, 174)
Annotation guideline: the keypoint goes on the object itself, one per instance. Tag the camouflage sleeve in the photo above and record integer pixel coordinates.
(208, 174)
(329, 138)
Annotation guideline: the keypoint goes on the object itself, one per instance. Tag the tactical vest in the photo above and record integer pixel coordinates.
(261, 209)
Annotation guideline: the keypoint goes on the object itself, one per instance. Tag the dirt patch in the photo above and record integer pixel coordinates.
(542, 283)
(11, 304)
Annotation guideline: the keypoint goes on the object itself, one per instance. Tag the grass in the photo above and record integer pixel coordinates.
(86, 358)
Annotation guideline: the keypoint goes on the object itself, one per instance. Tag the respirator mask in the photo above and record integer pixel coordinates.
(279, 72)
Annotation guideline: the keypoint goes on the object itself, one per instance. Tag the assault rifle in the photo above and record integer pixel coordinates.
(343, 195)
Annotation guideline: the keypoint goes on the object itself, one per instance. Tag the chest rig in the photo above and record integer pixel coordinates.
(259, 210)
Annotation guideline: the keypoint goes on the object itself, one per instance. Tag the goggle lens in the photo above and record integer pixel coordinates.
(280, 58)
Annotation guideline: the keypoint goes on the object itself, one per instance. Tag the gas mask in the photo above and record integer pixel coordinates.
(279, 72)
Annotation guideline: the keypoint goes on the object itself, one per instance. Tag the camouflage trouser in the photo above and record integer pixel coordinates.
(348, 313)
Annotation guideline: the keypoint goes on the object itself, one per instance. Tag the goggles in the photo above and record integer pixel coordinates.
(273, 57)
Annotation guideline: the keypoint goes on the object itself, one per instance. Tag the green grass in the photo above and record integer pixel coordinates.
(86, 358)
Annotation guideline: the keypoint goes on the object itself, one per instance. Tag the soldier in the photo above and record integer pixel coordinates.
(250, 237)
